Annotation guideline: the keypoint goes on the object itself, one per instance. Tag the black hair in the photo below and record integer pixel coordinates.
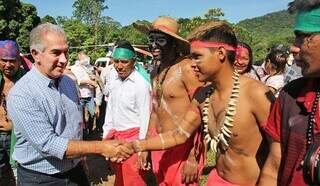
(303, 5)
(278, 59)
(217, 31)
(124, 44)
(245, 45)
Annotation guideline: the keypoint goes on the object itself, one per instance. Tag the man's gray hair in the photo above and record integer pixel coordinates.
(37, 33)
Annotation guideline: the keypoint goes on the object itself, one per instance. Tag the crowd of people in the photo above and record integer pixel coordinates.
(200, 93)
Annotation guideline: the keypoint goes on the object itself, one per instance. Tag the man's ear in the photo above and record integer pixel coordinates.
(222, 54)
(35, 54)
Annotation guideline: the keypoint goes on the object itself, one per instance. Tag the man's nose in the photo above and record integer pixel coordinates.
(120, 66)
(63, 58)
(295, 50)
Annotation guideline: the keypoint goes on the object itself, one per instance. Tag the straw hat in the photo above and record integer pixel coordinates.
(168, 26)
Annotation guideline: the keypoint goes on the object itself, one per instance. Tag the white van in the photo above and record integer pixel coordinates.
(102, 62)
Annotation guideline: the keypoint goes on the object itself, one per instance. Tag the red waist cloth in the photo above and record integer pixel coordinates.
(127, 173)
(167, 164)
(215, 180)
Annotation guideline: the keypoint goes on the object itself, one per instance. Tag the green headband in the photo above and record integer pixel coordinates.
(308, 21)
(123, 53)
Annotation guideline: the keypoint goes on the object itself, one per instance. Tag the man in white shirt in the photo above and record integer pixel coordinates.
(84, 74)
(128, 110)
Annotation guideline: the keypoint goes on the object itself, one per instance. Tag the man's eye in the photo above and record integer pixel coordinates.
(162, 41)
(194, 56)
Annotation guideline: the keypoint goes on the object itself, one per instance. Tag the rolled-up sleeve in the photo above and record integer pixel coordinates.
(32, 123)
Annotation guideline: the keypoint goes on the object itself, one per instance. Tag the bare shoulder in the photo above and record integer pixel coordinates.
(185, 65)
(254, 88)
(189, 77)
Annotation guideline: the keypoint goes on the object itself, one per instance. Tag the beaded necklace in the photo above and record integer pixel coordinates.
(312, 121)
(224, 133)
(159, 83)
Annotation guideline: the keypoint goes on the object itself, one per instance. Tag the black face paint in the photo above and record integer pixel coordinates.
(160, 44)
(270, 96)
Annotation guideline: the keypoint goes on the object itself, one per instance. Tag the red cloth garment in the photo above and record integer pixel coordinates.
(167, 164)
(127, 173)
(287, 124)
(215, 180)
(26, 63)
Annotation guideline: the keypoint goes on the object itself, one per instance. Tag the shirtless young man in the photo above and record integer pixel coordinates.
(174, 83)
(237, 107)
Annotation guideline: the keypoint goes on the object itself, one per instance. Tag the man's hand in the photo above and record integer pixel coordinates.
(143, 162)
(117, 150)
(189, 171)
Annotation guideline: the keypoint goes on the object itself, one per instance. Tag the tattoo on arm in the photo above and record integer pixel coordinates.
(270, 96)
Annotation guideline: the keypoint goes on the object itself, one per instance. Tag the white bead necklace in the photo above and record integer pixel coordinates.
(224, 133)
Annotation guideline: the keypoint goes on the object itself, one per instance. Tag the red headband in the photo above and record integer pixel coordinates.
(211, 44)
(239, 50)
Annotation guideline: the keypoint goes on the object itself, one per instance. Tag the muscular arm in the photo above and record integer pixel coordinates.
(189, 123)
(260, 95)
(269, 174)
(189, 172)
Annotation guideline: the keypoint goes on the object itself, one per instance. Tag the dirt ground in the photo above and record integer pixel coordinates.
(99, 171)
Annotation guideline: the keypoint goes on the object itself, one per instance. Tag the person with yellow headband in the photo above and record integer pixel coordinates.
(233, 109)
(294, 123)
(128, 111)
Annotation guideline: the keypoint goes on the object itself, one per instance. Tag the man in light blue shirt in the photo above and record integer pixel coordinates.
(47, 117)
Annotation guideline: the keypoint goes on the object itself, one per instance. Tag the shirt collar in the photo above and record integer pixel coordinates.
(308, 94)
(131, 77)
(42, 78)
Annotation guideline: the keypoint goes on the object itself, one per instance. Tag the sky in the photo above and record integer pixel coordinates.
(129, 11)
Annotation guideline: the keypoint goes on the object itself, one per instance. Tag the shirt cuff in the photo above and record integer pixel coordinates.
(59, 147)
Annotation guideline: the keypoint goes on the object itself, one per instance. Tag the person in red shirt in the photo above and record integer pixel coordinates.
(294, 122)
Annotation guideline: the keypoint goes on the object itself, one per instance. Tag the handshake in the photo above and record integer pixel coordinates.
(119, 150)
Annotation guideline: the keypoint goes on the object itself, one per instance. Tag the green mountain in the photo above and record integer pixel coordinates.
(268, 30)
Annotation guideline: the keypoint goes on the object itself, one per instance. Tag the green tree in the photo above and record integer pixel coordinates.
(48, 19)
(133, 35)
(187, 25)
(90, 12)
(214, 14)
(16, 21)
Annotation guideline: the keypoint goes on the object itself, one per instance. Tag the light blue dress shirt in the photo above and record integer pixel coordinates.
(45, 116)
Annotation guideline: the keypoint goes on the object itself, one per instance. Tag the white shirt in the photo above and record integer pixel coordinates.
(107, 74)
(129, 104)
(276, 82)
(81, 74)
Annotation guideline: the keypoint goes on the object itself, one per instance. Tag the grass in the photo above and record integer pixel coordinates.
(210, 162)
